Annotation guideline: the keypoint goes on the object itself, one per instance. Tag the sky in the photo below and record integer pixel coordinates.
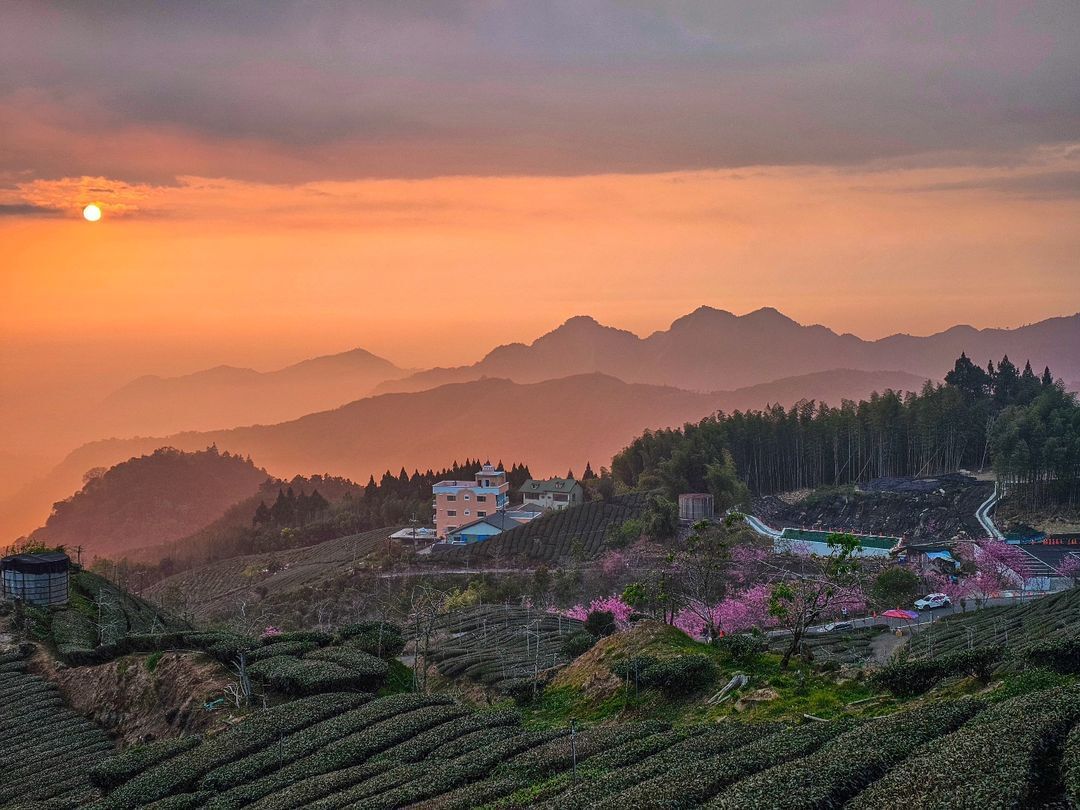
(428, 180)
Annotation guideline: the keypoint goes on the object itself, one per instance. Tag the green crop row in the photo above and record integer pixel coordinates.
(257, 732)
(1060, 652)
(316, 637)
(296, 649)
(381, 639)
(422, 745)
(295, 676)
(1070, 766)
(846, 766)
(998, 759)
(296, 746)
(558, 755)
(134, 760)
(706, 744)
(353, 659)
(307, 792)
(908, 677)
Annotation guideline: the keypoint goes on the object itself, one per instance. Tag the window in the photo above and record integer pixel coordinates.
(451, 497)
(466, 513)
(450, 528)
(487, 483)
(466, 496)
(561, 496)
(481, 498)
(481, 514)
(451, 513)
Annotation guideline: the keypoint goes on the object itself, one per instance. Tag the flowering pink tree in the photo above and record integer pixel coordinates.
(270, 632)
(614, 605)
(999, 566)
(1070, 567)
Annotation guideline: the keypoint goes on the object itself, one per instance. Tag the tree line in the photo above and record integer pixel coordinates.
(1023, 423)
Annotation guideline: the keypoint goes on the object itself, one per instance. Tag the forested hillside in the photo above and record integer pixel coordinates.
(1025, 424)
(150, 499)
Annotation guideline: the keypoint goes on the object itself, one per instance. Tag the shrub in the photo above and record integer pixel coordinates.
(742, 647)
(316, 637)
(1061, 654)
(1070, 767)
(295, 676)
(362, 663)
(523, 690)
(682, 674)
(577, 644)
(600, 623)
(906, 678)
(380, 639)
(116, 770)
(294, 649)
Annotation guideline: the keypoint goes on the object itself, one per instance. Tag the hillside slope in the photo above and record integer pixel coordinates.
(712, 348)
(150, 499)
(551, 425)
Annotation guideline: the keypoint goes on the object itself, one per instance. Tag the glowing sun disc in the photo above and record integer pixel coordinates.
(91, 213)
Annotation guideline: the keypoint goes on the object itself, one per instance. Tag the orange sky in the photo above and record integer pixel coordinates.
(430, 180)
(438, 271)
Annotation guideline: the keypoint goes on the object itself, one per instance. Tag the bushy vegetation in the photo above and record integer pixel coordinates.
(46, 750)
(1005, 757)
(907, 677)
(490, 644)
(683, 674)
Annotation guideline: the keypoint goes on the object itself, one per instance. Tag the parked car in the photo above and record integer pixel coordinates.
(932, 601)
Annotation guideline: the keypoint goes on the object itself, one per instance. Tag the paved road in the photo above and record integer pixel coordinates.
(927, 617)
(982, 514)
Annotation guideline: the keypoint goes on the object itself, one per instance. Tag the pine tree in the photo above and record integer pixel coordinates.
(1047, 378)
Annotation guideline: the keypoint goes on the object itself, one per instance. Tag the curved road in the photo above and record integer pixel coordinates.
(982, 514)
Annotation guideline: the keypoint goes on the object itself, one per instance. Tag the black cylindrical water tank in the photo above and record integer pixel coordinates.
(37, 579)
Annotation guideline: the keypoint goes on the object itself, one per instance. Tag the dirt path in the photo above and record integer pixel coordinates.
(885, 645)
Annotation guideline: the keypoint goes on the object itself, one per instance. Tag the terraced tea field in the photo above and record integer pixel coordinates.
(493, 644)
(348, 750)
(215, 587)
(46, 750)
(555, 536)
(1011, 626)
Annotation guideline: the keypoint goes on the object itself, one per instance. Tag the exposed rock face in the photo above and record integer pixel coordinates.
(924, 509)
(138, 704)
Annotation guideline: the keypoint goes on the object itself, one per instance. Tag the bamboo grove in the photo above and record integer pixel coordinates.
(1022, 423)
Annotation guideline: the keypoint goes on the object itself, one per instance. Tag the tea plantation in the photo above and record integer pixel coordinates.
(496, 645)
(349, 750)
(46, 750)
(555, 536)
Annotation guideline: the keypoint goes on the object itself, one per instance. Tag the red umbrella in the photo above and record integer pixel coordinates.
(897, 613)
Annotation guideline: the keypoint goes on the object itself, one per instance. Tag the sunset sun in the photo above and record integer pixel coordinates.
(91, 213)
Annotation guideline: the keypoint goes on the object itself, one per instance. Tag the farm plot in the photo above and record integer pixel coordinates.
(46, 750)
(412, 750)
(555, 536)
(497, 644)
(209, 588)
(1013, 627)
(99, 619)
(852, 647)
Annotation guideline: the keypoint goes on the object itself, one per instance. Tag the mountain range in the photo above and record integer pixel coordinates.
(226, 396)
(575, 394)
(712, 349)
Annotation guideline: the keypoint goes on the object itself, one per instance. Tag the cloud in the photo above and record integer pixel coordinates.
(300, 92)
(26, 210)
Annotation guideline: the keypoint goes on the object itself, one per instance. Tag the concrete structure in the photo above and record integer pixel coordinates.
(38, 579)
(525, 512)
(459, 502)
(695, 506)
(552, 493)
(482, 529)
(414, 534)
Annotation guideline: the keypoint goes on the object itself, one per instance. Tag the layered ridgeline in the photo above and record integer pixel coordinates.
(711, 349)
(226, 396)
(553, 425)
